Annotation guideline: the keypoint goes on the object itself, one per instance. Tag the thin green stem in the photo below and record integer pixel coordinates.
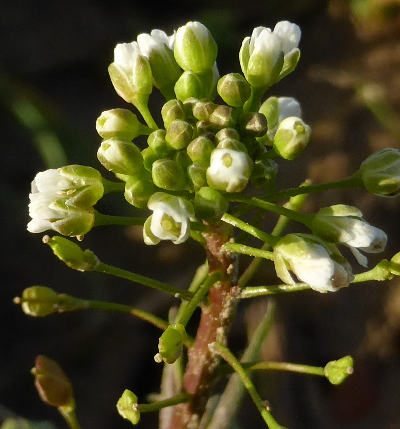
(235, 364)
(146, 281)
(156, 406)
(68, 412)
(102, 219)
(254, 102)
(141, 103)
(247, 250)
(110, 186)
(252, 230)
(284, 366)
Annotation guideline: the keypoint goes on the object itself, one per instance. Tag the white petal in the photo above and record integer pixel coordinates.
(289, 34)
(288, 106)
(360, 258)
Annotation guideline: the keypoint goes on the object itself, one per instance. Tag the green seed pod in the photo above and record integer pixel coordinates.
(203, 109)
(225, 133)
(172, 110)
(232, 144)
(179, 134)
(253, 124)
(38, 301)
(224, 117)
(200, 149)
(149, 157)
(337, 371)
(234, 89)
(157, 143)
(189, 85)
(170, 344)
(138, 191)
(197, 175)
(210, 204)
(119, 123)
(169, 175)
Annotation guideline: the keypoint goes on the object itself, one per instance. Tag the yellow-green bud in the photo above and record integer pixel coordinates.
(194, 47)
(71, 254)
(189, 85)
(380, 172)
(127, 407)
(224, 117)
(225, 133)
(204, 127)
(188, 105)
(234, 89)
(291, 138)
(197, 175)
(179, 134)
(38, 301)
(157, 144)
(138, 191)
(210, 204)
(253, 124)
(149, 157)
(337, 371)
(172, 110)
(233, 144)
(169, 175)
(119, 123)
(182, 158)
(170, 344)
(203, 109)
(200, 149)
(120, 156)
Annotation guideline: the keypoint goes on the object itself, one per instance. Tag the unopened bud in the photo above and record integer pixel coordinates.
(253, 124)
(169, 175)
(200, 149)
(120, 156)
(170, 344)
(127, 407)
(223, 117)
(337, 371)
(204, 127)
(138, 191)
(291, 138)
(157, 144)
(210, 204)
(38, 301)
(172, 110)
(149, 158)
(234, 89)
(197, 175)
(179, 134)
(189, 85)
(119, 123)
(233, 144)
(225, 133)
(203, 109)
(188, 105)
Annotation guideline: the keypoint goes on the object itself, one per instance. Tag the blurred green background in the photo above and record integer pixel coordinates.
(54, 84)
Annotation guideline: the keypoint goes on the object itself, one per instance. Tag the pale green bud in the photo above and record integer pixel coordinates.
(120, 156)
(264, 174)
(179, 134)
(197, 175)
(380, 172)
(336, 371)
(210, 204)
(138, 191)
(291, 138)
(188, 105)
(204, 127)
(233, 144)
(157, 144)
(189, 85)
(200, 149)
(71, 254)
(38, 301)
(234, 89)
(225, 133)
(209, 80)
(224, 117)
(172, 110)
(170, 344)
(130, 72)
(127, 407)
(194, 47)
(203, 109)
(149, 158)
(119, 123)
(253, 124)
(182, 158)
(169, 175)
(229, 170)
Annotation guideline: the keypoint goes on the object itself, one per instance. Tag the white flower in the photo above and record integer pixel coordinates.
(229, 170)
(313, 262)
(291, 137)
(170, 219)
(288, 106)
(289, 35)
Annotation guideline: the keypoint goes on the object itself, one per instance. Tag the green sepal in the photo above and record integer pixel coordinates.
(170, 344)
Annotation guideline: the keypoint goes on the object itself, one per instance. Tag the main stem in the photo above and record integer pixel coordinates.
(214, 324)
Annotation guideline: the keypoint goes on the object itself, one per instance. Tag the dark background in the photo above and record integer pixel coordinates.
(54, 84)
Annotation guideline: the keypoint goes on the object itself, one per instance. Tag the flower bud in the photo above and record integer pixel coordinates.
(234, 89)
(204, 127)
(138, 191)
(189, 85)
(169, 175)
(130, 72)
(197, 175)
(182, 158)
(229, 170)
(38, 301)
(336, 371)
(194, 48)
(203, 109)
(289, 35)
(170, 344)
(172, 110)
(200, 149)
(209, 80)
(149, 158)
(188, 105)
(52, 384)
(119, 123)
(264, 174)
(179, 134)
(253, 124)
(232, 144)
(210, 204)
(380, 172)
(71, 254)
(224, 117)
(127, 407)
(157, 144)
(170, 219)
(225, 133)
(291, 138)
(120, 156)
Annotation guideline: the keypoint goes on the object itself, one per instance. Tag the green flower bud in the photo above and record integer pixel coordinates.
(194, 47)
(224, 117)
(53, 386)
(209, 80)
(157, 144)
(380, 172)
(234, 89)
(170, 344)
(71, 254)
(189, 85)
(182, 158)
(169, 175)
(130, 72)
(200, 149)
(227, 133)
(337, 371)
(232, 144)
(172, 110)
(38, 301)
(188, 105)
(119, 123)
(253, 124)
(138, 191)
(127, 407)
(197, 175)
(291, 138)
(210, 204)
(203, 109)
(204, 127)
(264, 174)
(150, 156)
(120, 156)
(179, 134)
